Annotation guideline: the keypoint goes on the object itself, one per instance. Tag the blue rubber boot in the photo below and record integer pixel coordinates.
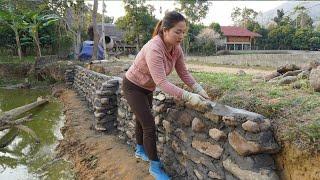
(140, 153)
(157, 172)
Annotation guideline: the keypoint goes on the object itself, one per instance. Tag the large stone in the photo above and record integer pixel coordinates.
(304, 75)
(212, 116)
(160, 97)
(230, 121)
(214, 175)
(216, 134)
(287, 80)
(242, 174)
(185, 119)
(167, 126)
(197, 125)
(315, 79)
(181, 135)
(241, 145)
(199, 176)
(271, 76)
(159, 109)
(251, 126)
(213, 150)
(292, 73)
(287, 67)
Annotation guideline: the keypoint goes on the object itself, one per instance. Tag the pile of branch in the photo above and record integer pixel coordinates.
(8, 121)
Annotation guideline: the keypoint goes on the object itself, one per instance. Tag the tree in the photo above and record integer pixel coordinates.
(12, 18)
(281, 37)
(209, 40)
(301, 39)
(138, 23)
(242, 17)
(95, 30)
(280, 15)
(34, 20)
(193, 9)
(216, 27)
(303, 19)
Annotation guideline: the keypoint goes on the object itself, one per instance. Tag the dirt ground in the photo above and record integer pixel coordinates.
(231, 70)
(95, 155)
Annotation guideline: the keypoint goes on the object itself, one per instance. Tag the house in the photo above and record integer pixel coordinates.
(117, 36)
(238, 38)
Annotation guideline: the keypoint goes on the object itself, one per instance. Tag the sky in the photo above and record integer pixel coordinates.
(219, 11)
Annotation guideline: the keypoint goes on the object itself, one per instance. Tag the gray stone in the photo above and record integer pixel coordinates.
(167, 126)
(212, 116)
(287, 80)
(181, 135)
(197, 125)
(199, 176)
(214, 175)
(216, 134)
(315, 79)
(247, 174)
(271, 76)
(213, 150)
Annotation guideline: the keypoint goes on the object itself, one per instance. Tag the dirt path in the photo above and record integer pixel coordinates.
(95, 155)
(231, 70)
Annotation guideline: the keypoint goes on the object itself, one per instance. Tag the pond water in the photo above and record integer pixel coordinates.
(24, 158)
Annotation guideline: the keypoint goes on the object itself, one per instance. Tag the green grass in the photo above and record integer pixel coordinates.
(15, 59)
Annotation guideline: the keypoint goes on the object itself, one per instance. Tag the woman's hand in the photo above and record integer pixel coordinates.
(199, 90)
(193, 99)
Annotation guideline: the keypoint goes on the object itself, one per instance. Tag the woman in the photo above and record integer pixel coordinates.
(153, 63)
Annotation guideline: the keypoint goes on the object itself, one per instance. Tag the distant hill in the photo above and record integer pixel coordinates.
(288, 7)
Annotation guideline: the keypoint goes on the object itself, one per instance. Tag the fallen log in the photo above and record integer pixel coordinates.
(7, 121)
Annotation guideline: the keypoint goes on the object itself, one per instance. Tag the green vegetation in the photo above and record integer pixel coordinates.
(15, 59)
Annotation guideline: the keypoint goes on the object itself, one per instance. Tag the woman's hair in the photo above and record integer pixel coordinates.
(169, 21)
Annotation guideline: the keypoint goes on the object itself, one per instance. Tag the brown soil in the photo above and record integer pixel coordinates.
(298, 165)
(95, 155)
(231, 70)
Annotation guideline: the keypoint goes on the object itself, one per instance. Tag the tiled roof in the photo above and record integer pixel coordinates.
(238, 31)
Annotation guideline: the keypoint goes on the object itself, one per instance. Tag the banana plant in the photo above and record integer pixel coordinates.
(13, 19)
(36, 20)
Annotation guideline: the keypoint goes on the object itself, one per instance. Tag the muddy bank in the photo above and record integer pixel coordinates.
(95, 155)
(14, 70)
(295, 164)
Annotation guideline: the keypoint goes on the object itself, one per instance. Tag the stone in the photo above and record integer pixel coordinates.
(297, 85)
(185, 119)
(213, 117)
(202, 107)
(229, 121)
(212, 150)
(265, 125)
(242, 174)
(288, 67)
(241, 145)
(241, 72)
(99, 115)
(271, 76)
(214, 175)
(167, 126)
(157, 120)
(104, 100)
(160, 97)
(181, 135)
(121, 113)
(197, 125)
(130, 134)
(216, 134)
(314, 64)
(287, 80)
(175, 146)
(159, 109)
(161, 139)
(199, 176)
(251, 126)
(304, 75)
(315, 79)
(292, 73)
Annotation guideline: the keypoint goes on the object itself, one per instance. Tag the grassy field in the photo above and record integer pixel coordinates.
(15, 59)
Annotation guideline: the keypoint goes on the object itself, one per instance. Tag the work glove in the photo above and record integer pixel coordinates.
(199, 90)
(193, 99)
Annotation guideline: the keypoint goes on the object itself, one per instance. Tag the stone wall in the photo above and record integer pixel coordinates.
(100, 92)
(208, 142)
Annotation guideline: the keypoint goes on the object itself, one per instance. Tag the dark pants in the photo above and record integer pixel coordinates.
(140, 101)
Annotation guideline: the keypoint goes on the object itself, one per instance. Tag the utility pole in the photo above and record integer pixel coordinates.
(103, 30)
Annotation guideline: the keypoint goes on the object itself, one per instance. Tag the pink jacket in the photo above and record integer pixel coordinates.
(154, 63)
